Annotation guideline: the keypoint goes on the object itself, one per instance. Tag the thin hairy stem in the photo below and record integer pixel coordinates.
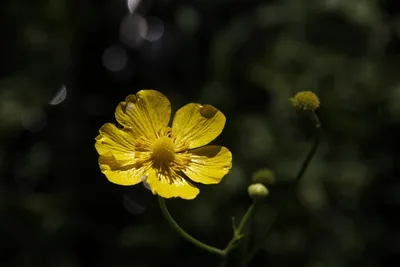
(183, 233)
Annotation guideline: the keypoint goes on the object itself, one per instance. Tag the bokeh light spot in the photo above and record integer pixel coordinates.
(33, 120)
(132, 206)
(35, 35)
(188, 19)
(132, 5)
(115, 58)
(132, 29)
(155, 29)
(60, 96)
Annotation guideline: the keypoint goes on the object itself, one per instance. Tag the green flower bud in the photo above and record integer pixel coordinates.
(264, 176)
(257, 191)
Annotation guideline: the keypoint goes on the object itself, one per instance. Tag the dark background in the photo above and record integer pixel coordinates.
(66, 64)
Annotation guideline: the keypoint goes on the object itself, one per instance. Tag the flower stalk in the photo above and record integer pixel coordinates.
(318, 130)
(238, 232)
(183, 233)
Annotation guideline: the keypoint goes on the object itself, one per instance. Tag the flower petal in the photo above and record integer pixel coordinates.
(146, 113)
(209, 164)
(196, 125)
(116, 142)
(172, 185)
(121, 174)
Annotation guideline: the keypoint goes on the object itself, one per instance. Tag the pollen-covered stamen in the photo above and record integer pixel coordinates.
(181, 161)
(164, 132)
(162, 151)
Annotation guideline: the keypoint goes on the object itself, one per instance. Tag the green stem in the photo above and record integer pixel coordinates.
(300, 174)
(184, 234)
(246, 217)
(238, 232)
(246, 243)
(313, 149)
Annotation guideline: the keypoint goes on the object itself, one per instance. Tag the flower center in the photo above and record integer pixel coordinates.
(162, 150)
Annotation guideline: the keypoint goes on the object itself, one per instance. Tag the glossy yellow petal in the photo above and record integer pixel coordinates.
(172, 185)
(196, 125)
(116, 142)
(209, 164)
(146, 113)
(121, 174)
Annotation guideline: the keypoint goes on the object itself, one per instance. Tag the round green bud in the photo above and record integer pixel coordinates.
(264, 176)
(305, 101)
(257, 191)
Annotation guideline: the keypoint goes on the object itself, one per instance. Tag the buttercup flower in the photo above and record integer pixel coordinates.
(146, 150)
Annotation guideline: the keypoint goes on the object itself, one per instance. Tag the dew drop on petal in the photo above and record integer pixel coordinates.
(208, 111)
(128, 107)
(132, 98)
(60, 96)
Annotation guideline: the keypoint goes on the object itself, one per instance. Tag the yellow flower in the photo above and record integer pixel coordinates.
(305, 101)
(146, 150)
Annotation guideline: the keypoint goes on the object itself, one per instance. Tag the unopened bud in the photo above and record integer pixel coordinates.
(257, 191)
(264, 176)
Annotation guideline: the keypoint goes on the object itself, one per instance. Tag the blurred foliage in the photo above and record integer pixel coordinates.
(245, 57)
